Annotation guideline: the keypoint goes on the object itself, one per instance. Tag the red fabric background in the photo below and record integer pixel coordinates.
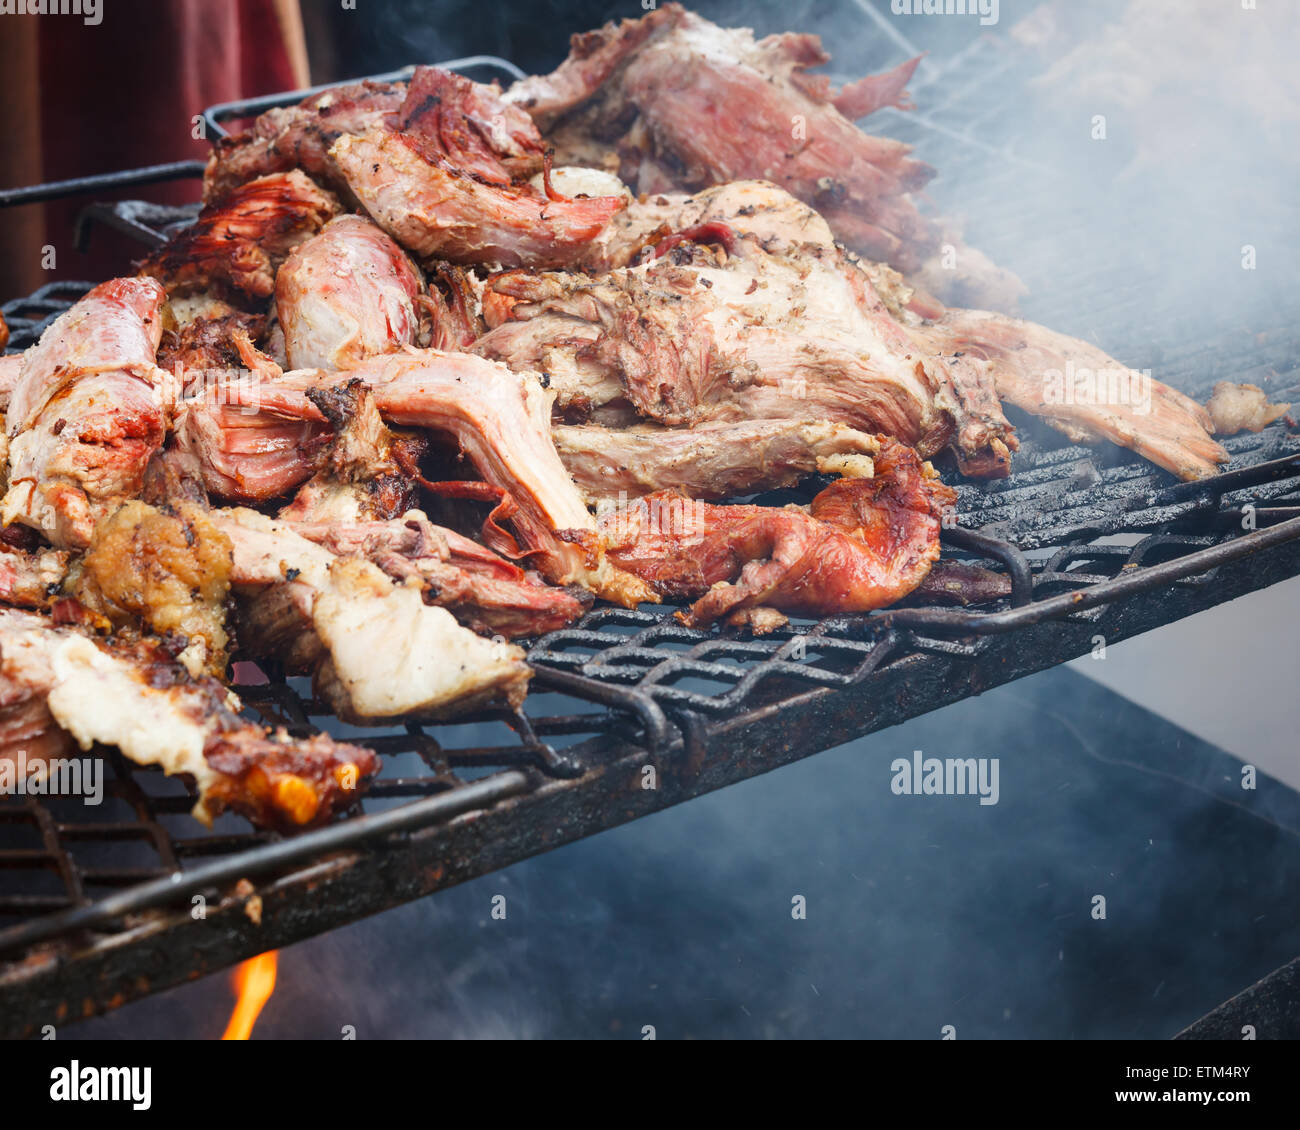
(123, 94)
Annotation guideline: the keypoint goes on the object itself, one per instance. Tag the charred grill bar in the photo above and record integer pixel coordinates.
(97, 907)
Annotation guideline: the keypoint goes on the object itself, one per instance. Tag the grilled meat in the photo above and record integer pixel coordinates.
(956, 583)
(435, 210)
(87, 412)
(863, 543)
(59, 685)
(470, 127)
(173, 477)
(1082, 392)
(29, 735)
(779, 222)
(776, 321)
(249, 437)
(660, 100)
(782, 331)
(11, 368)
(464, 122)
(481, 589)
(712, 461)
(453, 306)
(501, 420)
(166, 571)
(374, 648)
(235, 247)
(1235, 408)
(205, 349)
(668, 91)
(31, 578)
(448, 178)
(366, 474)
(345, 295)
(299, 137)
(708, 339)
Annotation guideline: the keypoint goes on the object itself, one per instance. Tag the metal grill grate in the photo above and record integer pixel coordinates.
(96, 906)
(28, 317)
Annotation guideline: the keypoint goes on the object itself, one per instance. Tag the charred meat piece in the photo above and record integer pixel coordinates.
(59, 685)
(366, 475)
(960, 584)
(299, 137)
(164, 571)
(210, 349)
(375, 649)
(88, 411)
(669, 90)
(173, 477)
(435, 210)
(235, 247)
(470, 127)
(711, 461)
(31, 578)
(453, 305)
(862, 544)
(345, 295)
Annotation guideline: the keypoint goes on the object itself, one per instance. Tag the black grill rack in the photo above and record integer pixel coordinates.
(102, 906)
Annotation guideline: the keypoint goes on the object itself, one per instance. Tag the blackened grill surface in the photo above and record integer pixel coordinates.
(92, 916)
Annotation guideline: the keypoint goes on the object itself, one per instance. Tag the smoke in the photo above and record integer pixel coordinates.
(1138, 174)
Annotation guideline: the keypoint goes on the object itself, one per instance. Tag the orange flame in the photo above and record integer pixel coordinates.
(254, 982)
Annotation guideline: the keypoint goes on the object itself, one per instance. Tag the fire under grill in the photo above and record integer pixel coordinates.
(102, 905)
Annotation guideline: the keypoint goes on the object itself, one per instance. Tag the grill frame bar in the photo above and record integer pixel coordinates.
(100, 954)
